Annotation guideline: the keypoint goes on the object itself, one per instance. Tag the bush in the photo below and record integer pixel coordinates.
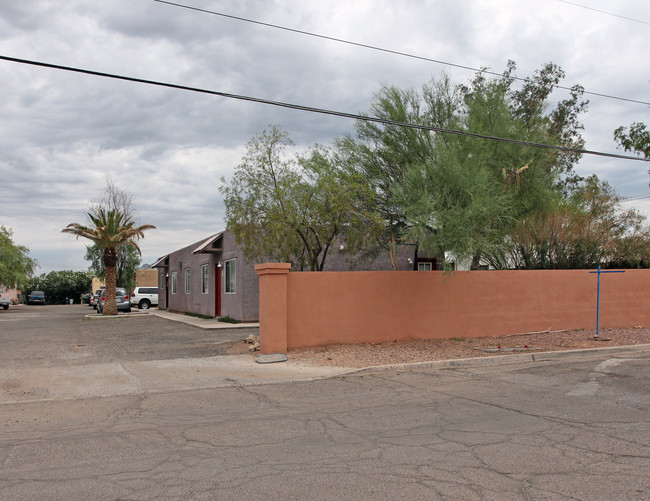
(59, 285)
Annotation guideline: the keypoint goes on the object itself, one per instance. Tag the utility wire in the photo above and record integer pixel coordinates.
(604, 12)
(318, 110)
(389, 51)
(637, 197)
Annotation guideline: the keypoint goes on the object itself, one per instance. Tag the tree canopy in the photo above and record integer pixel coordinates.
(456, 193)
(459, 194)
(61, 285)
(109, 229)
(294, 208)
(128, 261)
(636, 138)
(589, 228)
(16, 267)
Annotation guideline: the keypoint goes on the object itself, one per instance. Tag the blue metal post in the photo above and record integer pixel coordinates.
(598, 296)
(598, 305)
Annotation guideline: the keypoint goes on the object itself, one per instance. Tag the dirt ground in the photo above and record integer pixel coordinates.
(366, 355)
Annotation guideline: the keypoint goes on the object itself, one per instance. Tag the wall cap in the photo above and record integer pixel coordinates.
(273, 268)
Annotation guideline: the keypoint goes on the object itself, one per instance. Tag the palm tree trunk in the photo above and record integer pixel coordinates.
(110, 260)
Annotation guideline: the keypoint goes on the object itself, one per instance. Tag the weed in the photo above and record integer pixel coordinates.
(228, 320)
(198, 315)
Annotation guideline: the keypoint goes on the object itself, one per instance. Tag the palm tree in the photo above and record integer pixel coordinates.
(110, 229)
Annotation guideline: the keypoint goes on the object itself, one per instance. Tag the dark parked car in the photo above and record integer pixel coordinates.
(121, 299)
(36, 297)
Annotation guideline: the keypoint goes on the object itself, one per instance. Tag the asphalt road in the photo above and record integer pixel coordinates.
(574, 429)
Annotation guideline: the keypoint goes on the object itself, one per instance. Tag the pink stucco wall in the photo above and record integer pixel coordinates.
(363, 307)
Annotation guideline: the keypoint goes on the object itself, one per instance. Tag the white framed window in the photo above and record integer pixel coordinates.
(187, 280)
(230, 278)
(204, 279)
(424, 267)
(174, 281)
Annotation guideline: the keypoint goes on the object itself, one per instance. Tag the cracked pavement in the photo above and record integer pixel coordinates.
(575, 429)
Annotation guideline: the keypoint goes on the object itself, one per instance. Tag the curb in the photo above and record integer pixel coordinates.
(586, 352)
(461, 363)
(99, 316)
(201, 323)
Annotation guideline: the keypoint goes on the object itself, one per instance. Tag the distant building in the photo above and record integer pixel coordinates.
(96, 284)
(146, 277)
(11, 293)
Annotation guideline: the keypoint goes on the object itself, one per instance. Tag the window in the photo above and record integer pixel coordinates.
(204, 279)
(427, 264)
(230, 268)
(174, 281)
(187, 280)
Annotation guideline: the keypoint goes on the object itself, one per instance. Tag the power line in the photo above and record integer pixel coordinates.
(389, 51)
(322, 111)
(604, 12)
(637, 197)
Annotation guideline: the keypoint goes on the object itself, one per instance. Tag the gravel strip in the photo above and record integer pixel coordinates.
(367, 355)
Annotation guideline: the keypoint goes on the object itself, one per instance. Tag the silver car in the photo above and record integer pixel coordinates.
(94, 298)
(121, 299)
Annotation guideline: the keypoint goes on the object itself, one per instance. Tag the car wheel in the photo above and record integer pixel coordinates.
(145, 304)
(5, 306)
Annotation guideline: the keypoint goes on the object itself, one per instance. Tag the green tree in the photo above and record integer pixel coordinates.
(110, 229)
(635, 139)
(294, 208)
(458, 193)
(61, 285)
(381, 154)
(128, 261)
(16, 267)
(587, 229)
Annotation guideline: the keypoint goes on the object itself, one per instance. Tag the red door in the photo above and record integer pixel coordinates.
(166, 290)
(217, 291)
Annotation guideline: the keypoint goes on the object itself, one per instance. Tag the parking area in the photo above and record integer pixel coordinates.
(54, 336)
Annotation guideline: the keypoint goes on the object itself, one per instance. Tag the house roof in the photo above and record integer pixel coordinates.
(162, 262)
(207, 246)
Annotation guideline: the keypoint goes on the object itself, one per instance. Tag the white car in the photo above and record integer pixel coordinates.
(144, 297)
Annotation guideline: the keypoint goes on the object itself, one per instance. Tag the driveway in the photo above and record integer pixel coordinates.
(55, 336)
(58, 353)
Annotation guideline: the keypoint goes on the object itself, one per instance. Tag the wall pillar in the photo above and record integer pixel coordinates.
(273, 278)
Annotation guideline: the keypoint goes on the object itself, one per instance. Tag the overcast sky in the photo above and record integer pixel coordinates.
(61, 133)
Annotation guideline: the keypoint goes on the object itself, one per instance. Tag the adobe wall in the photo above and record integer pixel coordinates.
(366, 307)
(146, 278)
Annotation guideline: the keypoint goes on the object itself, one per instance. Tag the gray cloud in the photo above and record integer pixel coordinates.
(61, 133)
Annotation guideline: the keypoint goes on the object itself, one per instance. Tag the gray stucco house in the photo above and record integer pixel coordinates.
(211, 277)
